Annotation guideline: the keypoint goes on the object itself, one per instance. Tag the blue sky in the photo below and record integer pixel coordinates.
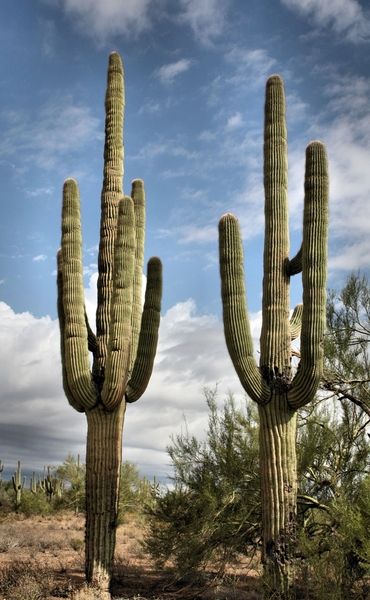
(195, 72)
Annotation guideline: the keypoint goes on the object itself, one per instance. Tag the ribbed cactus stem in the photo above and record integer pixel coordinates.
(148, 335)
(271, 385)
(235, 314)
(275, 333)
(125, 341)
(18, 484)
(33, 483)
(138, 198)
(79, 384)
(314, 274)
(111, 195)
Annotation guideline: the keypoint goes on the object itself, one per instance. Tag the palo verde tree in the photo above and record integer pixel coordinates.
(126, 336)
(271, 384)
(347, 343)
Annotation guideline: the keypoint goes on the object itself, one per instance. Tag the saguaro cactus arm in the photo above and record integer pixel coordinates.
(314, 271)
(235, 314)
(294, 265)
(79, 386)
(61, 319)
(296, 322)
(148, 338)
(118, 355)
(138, 197)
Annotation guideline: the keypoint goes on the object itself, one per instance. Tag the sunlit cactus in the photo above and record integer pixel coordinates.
(272, 384)
(125, 341)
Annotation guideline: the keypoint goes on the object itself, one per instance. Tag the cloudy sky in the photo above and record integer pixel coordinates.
(195, 72)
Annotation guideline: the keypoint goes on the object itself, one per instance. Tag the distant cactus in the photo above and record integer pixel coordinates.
(33, 483)
(52, 486)
(125, 342)
(271, 384)
(18, 484)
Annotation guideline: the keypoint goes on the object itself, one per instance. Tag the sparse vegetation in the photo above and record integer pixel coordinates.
(203, 533)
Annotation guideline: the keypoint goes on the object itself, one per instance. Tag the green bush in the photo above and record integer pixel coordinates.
(135, 491)
(34, 504)
(213, 513)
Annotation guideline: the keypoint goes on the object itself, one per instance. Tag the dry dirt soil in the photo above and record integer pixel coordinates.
(43, 558)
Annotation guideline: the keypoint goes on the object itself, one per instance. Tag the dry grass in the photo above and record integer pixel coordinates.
(42, 558)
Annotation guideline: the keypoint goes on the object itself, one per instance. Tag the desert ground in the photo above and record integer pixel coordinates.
(42, 558)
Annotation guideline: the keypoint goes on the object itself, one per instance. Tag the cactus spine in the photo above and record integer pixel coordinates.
(272, 385)
(125, 342)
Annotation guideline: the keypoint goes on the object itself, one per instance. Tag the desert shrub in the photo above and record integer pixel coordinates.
(26, 580)
(135, 491)
(6, 500)
(334, 501)
(71, 474)
(213, 512)
(77, 544)
(34, 504)
(335, 553)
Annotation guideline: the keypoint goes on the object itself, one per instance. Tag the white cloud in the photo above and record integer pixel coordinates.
(205, 17)
(150, 106)
(48, 37)
(101, 18)
(40, 258)
(343, 15)
(235, 121)
(167, 73)
(39, 427)
(252, 67)
(187, 234)
(61, 126)
(43, 191)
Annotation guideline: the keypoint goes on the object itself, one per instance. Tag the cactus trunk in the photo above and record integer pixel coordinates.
(126, 336)
(278, 472)
(271, 384)
(103, 468)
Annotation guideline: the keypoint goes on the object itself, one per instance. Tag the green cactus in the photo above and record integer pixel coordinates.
(33, 483)
(18, 484)
(272, 384)
(125, 342)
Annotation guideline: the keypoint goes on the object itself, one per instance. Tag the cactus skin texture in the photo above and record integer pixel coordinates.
(125, 342)
(271, 384)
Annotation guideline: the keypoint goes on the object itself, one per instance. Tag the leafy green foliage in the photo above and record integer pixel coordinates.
(135, 491)
(213, 512)
(34, 504)
(334, 454)
(72, 474)
(334, 501)
(347, 342)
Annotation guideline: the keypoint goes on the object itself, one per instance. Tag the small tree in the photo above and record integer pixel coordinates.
(135, 491)
(72, 474)
(213, 512)
(333, 452)
(347, 342)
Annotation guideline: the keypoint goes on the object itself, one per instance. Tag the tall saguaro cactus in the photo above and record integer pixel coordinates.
(271, 384)
(125, 342)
